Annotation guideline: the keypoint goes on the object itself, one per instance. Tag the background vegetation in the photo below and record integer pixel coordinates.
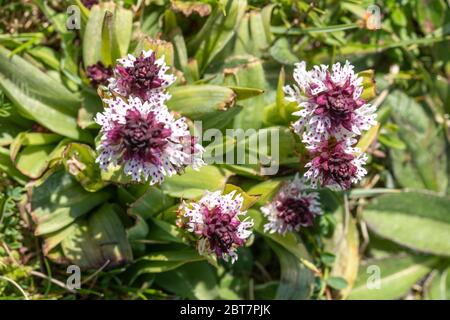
(231, 59)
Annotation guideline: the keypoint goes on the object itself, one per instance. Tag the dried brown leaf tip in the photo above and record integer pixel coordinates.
(189, 7)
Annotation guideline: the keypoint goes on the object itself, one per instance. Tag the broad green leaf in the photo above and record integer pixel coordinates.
(40, 96)
(107, 230)
(163, 261)
(337, 283)
(391, 277)
(52, 240)
(243, 93)
(281, 51)
(296, 281)
(37, 138)
(38, 151)
(193, 281)
(151, 203)
(9, 168)
(423, 165)
(121, 34)
(247, 71)
(201, 102)
(193, 183)
(98, 240)
(90, 106)
(416, 220)
(33, 160)
(136, 235)
(162, 232)
(249, 38)
(57, 200)
(92, 40)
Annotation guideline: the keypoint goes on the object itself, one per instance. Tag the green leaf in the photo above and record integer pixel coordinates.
(38, 151)
(39, 96)
(423, 165)
(9, 168)
(247, 71)
(265, 190)
(99, 240)
(193, 281)
(162, 261)
(290, 242)
(344, 244)
(281, 51)
(296, 281)
(194, 183)
(217, 31)
(32, 161)
(200, 102)
(8, 131)
(92, 40)
(249, 38)
(337, 283)
(106, 229)
(243, 93)
(416, 220)
(162, 231)
(90, 106)
(121, 35)
(58, 200)
(396, 276)
(151, 203)
(438, 286)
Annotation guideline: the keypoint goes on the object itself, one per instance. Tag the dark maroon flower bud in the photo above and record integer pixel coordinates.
(89, 3)
(98, 74)
(141, 76)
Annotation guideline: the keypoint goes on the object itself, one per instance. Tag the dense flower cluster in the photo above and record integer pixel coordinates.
(292, 208)
(146, 139)
(336, 165)
(214, 220)
(137, 130)
(143, 76)
(332, 113)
